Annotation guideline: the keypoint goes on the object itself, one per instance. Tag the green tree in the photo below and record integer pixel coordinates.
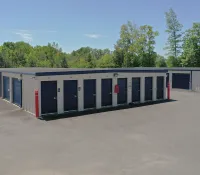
(135, 46)
(118, 56)
(191, 47)
(160, 61)
(91, 62)
(174, 28)
(63, 60)
(147, 42)
(173, 62)
(106, 61)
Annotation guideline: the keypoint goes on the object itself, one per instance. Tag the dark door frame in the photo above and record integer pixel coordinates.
(20, 105)
(3, 95)
(110, 94)
(126, 92)
(92, 95)
(158, 90)
(177, 76)
(72, 95)
(42, 113)
(151, 90)
(139, 78)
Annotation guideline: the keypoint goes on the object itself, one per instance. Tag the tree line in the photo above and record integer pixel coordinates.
(134, 48)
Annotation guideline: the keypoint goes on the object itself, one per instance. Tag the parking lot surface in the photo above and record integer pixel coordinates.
(149, 140)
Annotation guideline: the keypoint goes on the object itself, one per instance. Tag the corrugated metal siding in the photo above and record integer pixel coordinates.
(167, 80)
(160, 87)
(148, 88)
(196, 81)
(6, 88)
(70, 95)
(181, 80)
(29, 85)
(49, 103)
(17, 91)
(122, 95)
(136, 89)
(106, 92)
(89, 94)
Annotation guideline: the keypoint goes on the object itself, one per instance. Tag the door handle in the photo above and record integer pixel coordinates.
(55, 98)
(94, 94)
(110, 93)
(75, 96)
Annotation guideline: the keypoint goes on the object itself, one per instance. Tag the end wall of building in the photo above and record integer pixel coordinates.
(196, 81)
(10, 75)
(29, 85)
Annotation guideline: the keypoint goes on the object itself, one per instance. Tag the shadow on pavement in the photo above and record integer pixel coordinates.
(106, 109)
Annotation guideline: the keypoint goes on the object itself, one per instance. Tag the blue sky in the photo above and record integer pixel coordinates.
(77, 23)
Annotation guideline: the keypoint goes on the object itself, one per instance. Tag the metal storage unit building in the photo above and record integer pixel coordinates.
(68, 90)
(184, 78)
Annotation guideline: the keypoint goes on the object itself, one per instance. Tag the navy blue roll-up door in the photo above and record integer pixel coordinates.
(6, 88)
(122, 95)
(89, 94)
(135, 89)
(70, 95)
(148, 88)
(0, 85)
(167, 79)
(160, 87)
(48, 97)
(181, 81)
(17, 91)
(106, 92)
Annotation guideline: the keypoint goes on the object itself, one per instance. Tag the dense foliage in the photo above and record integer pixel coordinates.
(134, 48)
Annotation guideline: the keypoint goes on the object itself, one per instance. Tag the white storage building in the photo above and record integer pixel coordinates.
(67, 90)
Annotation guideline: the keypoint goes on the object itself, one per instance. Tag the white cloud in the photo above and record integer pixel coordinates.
(95, 36)
(42, 31)
(50, 31)
(25, 35)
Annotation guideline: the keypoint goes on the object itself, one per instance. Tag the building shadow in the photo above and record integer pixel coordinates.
(106, 109)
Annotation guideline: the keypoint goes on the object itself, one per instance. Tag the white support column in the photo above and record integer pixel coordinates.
(191, 80)
(114, 99)
(10, 89)
(154, 90)
(60, 95)
(98, 93)
(129, 90)
(80, 95)
(164, 90)
(142, 89)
